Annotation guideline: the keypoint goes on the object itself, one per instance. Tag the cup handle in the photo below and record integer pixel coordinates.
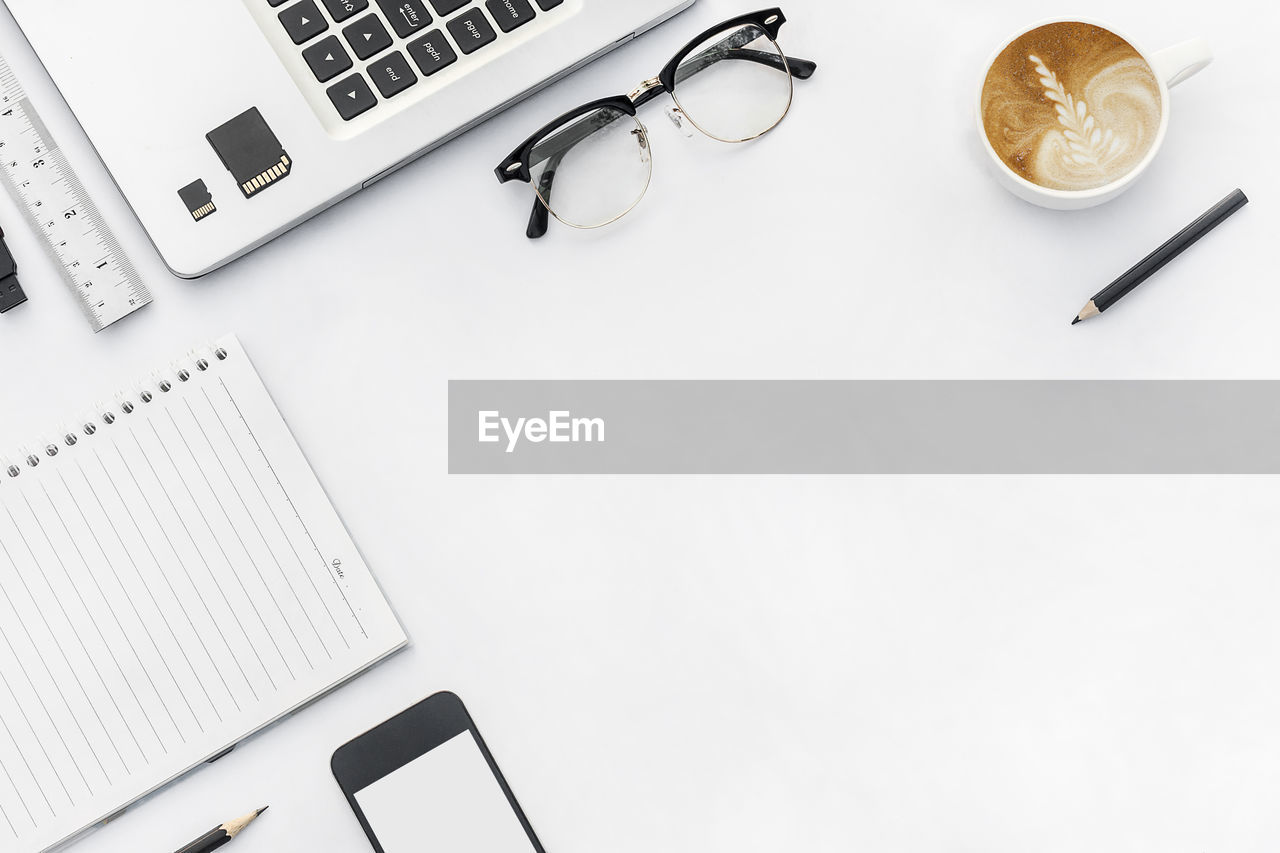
(1182, 61)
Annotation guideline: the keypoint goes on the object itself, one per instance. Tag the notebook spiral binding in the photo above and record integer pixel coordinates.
(126, 403)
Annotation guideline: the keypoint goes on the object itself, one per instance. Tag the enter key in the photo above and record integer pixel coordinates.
(407, 17)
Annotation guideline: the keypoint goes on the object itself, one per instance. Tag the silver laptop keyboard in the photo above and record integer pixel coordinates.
(374, 51)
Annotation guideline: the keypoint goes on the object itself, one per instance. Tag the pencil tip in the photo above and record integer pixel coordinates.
(236, 827)
(1076, 320)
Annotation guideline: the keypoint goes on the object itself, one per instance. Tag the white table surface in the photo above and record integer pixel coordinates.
(692, 665)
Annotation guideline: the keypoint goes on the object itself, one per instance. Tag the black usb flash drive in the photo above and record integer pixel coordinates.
(11, 295)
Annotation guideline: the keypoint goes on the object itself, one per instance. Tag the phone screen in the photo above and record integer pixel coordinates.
(446, 799)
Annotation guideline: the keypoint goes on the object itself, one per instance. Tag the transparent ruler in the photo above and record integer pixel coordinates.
(45, 186)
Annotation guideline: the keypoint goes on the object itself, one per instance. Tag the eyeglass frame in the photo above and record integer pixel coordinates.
(517, 167)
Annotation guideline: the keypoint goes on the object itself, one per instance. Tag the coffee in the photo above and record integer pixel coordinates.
(1071, 106)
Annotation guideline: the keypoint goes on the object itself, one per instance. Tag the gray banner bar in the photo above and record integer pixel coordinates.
(864, 428)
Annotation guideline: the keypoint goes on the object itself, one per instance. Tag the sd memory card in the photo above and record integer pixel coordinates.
(251, 152)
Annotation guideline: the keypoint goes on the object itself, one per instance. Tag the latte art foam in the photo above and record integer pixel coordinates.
(1071, 106)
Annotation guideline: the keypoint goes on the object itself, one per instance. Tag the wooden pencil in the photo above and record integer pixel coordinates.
(1156, 261)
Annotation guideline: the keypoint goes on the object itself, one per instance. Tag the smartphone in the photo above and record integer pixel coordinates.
(425, 780)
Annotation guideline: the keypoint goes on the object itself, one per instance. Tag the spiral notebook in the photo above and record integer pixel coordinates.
(172, 580)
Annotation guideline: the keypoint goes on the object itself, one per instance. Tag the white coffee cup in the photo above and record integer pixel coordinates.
(1171, 65)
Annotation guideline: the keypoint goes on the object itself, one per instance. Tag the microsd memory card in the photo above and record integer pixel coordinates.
(199, 202)
(251, 152)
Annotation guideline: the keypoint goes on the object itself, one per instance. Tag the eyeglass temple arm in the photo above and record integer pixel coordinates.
(540, 217)
(558, 145)
(801, 69)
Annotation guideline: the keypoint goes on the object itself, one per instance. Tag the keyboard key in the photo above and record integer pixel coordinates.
(510, 13)
(303, 21)
(275, 3)
(352, 97)
(471, 30)
(432, 52)
(407, 17)
(448, 7)
(327, 58)
(367, 36)
(392, 74)
(548, 5)
(343, 9)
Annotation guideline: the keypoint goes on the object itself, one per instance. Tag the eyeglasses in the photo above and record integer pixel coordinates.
(592, 166)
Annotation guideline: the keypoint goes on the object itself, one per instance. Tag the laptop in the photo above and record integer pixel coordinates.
(227, 122)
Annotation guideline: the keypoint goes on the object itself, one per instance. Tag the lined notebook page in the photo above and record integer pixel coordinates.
(172, 579)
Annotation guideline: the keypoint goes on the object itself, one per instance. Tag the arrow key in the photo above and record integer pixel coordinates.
(352, 97)
(303, 21)
(367, 36)
(327, 58)
(343, 9)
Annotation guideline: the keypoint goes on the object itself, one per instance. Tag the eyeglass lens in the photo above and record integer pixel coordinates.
(736, 85)
(593, 169)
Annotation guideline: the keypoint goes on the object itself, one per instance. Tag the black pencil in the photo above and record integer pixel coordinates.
(215, 838)
(1156, 261)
